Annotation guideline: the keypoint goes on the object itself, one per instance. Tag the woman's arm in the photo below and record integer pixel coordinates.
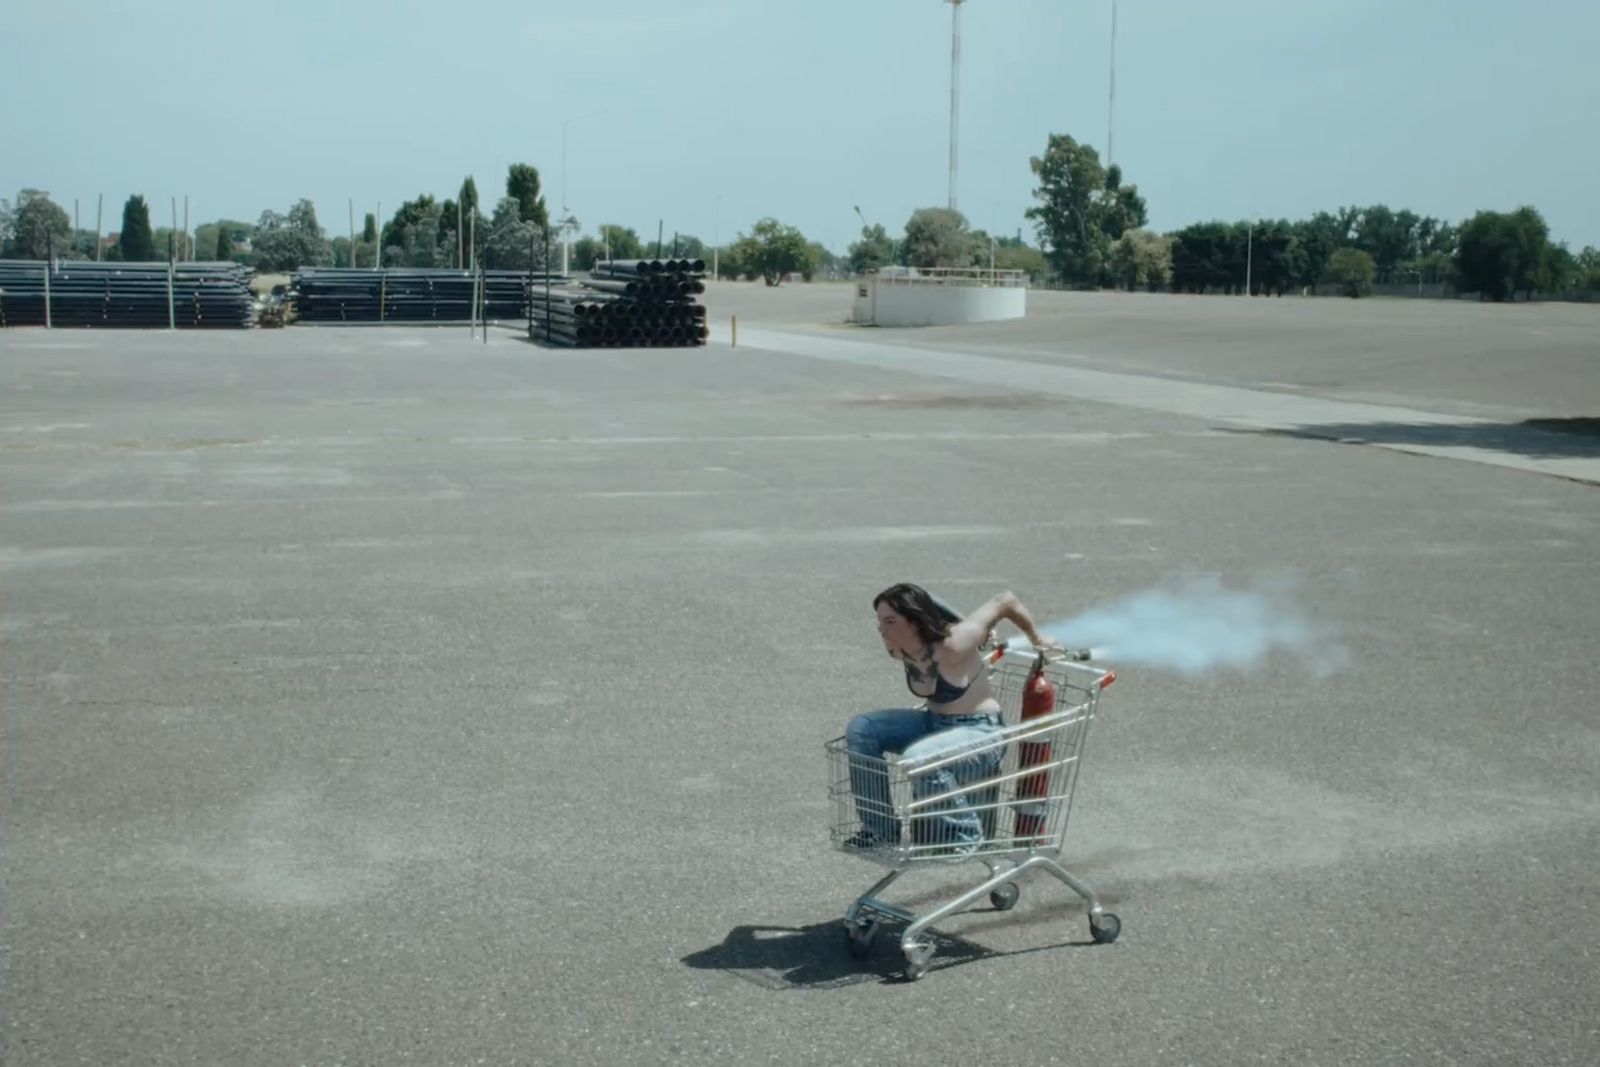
(969, 634)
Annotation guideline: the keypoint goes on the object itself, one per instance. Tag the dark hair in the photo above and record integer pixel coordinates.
(915, 605)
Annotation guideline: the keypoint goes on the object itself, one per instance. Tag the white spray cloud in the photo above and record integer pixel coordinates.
(1199, 627)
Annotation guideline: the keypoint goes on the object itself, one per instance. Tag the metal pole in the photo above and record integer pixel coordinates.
(483, 294)
(187, 252)
(660, 229)
(352, 233)
(74, 223)
(47, 322)
(547, 285)
(377, 225)
(99, 219)
(461, 260)
(1249, 249)
(530, 284)
(172, 312)
(1111, 102)
(955, 93)
(472, 239)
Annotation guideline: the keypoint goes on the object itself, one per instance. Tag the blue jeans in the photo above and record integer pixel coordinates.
(917, 733)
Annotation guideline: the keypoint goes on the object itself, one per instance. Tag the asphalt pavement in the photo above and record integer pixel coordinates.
(384, 696)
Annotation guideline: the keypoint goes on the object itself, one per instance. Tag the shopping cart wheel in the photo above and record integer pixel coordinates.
(1005, 898)
(858, 938)
(1106, 929)
(918, 955)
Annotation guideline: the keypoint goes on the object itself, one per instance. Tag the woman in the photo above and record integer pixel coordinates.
(943, 666)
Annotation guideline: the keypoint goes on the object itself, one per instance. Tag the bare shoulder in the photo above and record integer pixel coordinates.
(968, 635)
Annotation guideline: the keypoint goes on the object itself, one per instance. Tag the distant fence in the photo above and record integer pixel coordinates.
(977, 277)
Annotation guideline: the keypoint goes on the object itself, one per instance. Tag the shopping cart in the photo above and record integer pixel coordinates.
(1022, 796)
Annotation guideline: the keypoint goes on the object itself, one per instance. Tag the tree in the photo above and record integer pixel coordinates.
(1142, 260)
(1389, 237)
(620, 242)
(474, 232)
(448, 241)
(423, 241)
(409, 216)
(224, 246)
(773, 250)
(874, 250)
(1502, 254)
(937, 237)
(1352, 270)
(818, 258)
(1018, 256)
(134, 241)
(687, 246)
(1070, 178)
(1271, 254)
(283, 243)
(369, 230)
(1559, 271)
(1586, 267)
(1083, 210)
(1121, 208)
(1203, 258)
(38, 228)
(513, 243)
(585, 250)
(1317, 238)
(522, 185)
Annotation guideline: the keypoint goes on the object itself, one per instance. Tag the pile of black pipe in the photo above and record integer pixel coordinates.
(126, 295)
(411, 294)
(627, 303)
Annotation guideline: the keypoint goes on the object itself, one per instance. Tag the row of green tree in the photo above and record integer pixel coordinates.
(423, 232)
(771, 252)
(1092, 230)
(1091, 226)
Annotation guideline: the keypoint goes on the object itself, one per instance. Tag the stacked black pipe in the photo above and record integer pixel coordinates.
(628, 303)
(126, 295)
(410, 294)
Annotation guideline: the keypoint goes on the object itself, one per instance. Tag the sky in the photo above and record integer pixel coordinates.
(702, 116)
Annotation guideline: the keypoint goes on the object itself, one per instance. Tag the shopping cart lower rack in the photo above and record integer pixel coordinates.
(1018, 781)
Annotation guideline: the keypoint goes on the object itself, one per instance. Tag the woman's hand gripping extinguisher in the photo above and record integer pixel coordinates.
(1038, 698)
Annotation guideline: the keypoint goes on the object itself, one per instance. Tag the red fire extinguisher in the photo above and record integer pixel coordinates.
(1038, 698)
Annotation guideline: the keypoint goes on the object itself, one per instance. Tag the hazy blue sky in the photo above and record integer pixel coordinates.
(1225, 108)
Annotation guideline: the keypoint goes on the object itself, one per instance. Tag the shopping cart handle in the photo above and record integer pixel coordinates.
(1073, 655)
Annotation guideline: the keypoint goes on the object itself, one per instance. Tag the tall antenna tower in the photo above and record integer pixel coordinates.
(955, 93)
(1111, 103)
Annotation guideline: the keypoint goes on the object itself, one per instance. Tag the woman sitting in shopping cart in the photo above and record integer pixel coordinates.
(944, 665)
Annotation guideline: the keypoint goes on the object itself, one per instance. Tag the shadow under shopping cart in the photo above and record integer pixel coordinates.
(815, 956)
